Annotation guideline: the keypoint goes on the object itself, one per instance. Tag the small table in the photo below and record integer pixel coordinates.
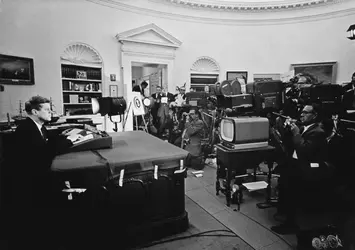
(240, 160)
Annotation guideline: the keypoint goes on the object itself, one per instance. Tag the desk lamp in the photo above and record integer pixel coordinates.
(109, 106)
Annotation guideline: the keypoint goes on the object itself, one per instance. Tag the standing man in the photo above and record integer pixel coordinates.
(349, 94)
(140, 88)
(180, 98)
(157, 97)
(158, 94)
(306, 170)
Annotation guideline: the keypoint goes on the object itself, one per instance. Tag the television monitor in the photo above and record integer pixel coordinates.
(241, 130)
(16, 70)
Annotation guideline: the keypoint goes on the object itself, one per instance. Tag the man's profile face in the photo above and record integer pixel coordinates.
(193, 114)
(44, 113)
(308, 115)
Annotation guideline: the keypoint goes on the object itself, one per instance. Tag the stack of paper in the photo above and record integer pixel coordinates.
(257, 185)
(198, 173)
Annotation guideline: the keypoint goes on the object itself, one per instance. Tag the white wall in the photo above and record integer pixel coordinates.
(137, 72)
(41, 29)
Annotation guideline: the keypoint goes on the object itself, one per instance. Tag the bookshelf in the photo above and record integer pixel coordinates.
(80, 83)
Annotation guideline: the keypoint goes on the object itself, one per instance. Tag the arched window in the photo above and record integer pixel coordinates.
(204, 71)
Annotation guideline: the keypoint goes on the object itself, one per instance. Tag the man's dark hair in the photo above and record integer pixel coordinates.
(144, 83)
(197, 112)
(35, 103)
(317, 110)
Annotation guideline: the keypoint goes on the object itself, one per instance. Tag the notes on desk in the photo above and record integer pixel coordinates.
(83, 138)
(79, 135)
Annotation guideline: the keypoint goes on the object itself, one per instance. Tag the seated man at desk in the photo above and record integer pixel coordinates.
(33, 153)
(309, 152)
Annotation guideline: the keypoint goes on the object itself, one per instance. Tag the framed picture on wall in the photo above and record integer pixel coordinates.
(232, 75)
(324, 72)
(80, 74)
(266, 77)
(16, 70)
(113, 90)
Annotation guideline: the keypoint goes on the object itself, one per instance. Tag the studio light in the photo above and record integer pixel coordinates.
(351, 32)
(148, 102)
(110, 106)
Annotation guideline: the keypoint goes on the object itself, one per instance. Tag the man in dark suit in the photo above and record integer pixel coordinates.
(140, 88)
(157, 97)
(32, 184)
(33, 156)
(306, 166)
(349, 94)
(158, 94)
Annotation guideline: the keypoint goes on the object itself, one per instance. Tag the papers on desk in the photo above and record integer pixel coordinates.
(254, 186)
(77, 131)
(77, 135)
(84, 138)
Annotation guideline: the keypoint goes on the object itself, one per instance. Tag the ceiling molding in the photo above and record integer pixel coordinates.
(240, 6)
(251, 21)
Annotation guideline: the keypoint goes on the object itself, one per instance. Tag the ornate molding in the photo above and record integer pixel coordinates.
(240, 6)
(237, 20)
(205, 64)
(138, 35)
(81, 53)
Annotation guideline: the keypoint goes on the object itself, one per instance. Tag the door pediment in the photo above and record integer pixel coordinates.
(149, 34)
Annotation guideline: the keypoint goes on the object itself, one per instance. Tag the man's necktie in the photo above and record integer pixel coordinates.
(301, 130)
(44, 133)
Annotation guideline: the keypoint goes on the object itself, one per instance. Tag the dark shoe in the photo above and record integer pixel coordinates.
(280, 217)
(286, 228)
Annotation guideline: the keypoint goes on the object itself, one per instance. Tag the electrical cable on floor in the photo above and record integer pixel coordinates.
(201, 234)
(223, 224)
(285, 241)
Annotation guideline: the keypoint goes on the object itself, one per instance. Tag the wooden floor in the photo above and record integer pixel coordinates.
(251, 225)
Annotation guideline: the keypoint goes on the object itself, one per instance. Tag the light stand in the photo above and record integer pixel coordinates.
(110, 106)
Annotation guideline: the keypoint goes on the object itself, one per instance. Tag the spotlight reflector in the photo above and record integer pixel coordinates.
(95, 105)
(109, 106)
(148, 102)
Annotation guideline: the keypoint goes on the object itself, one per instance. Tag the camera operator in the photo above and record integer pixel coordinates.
(305, 168)
(349, 94)
(192, 135)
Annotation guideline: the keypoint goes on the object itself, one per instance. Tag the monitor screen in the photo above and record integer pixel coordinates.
(227, 130)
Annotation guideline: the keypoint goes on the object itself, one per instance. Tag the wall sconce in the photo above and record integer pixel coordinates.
(351, 32)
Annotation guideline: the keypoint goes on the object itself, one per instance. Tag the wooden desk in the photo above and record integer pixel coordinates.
(144, 199)
(232, 162)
